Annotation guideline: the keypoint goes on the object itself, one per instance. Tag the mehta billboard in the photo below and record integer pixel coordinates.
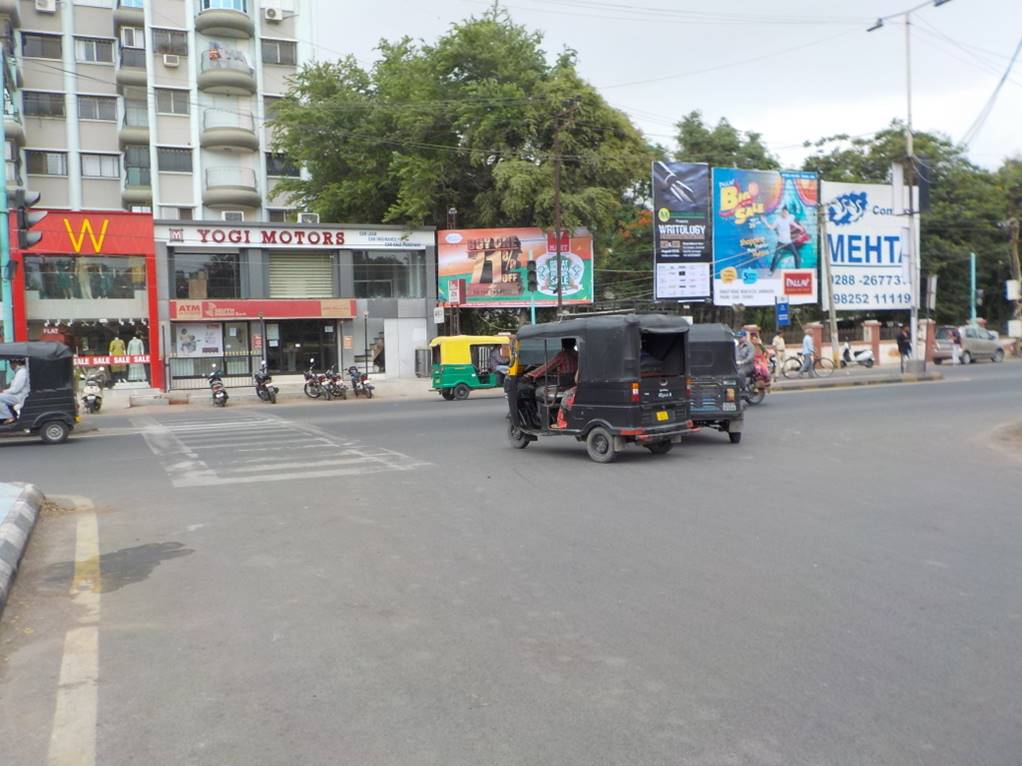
(486, 268)
(764, 237)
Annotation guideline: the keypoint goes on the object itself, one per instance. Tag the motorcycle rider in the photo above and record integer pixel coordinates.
(745, 355)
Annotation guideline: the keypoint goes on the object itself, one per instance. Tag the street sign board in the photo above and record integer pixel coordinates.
(783, 317)
(438, 315)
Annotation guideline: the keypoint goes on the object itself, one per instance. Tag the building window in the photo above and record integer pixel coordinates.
(93, 51)
(282, 215)
(279, 165)
(175, 213)
(389, 275)
(46, 163)
(97, 108)
(35, 104)
(101, 165)
(230, 5)
(133, 37)
(66, 278)
(172, 101)
(38, 46)
(269, 106)
(206, 275)
(170, 41)
(174, 160)
(136, 166)
(280, 52)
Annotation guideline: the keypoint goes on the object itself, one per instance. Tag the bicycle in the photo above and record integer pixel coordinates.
(823, 367)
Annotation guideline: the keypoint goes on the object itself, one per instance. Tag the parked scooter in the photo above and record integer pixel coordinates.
(217, 388)
(92, 391)
(265, 391)
(360, 383)
(863, 356)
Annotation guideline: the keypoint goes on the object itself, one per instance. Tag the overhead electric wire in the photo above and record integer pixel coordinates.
(981, 118)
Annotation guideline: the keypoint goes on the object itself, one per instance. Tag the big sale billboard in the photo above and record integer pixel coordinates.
(764, 237)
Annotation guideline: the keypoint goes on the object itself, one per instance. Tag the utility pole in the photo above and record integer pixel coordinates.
(972, 288)
(821, 216)
(563, 118)
(6, 274)
(1016, 269)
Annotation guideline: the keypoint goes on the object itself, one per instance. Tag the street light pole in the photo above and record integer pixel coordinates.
(562, 118)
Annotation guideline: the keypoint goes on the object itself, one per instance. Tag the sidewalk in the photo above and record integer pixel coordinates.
(19, 507)
(858, 376)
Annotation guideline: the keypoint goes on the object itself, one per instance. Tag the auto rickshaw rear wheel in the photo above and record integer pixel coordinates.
(447, 394)
(735, 436)
(661, 447)
(54, 432)
(515, 436)
(461, 391)
(600, 445)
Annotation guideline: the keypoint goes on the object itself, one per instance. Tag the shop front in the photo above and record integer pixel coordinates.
(294, 296)
(90, 283)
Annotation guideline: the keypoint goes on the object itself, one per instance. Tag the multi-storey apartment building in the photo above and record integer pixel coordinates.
(154, 105)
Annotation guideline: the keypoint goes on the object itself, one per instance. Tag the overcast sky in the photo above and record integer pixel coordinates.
(791, 69)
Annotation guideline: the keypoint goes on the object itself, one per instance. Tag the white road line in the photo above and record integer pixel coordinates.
(361, 470)
(73, 738)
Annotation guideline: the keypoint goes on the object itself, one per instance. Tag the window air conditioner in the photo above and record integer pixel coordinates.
(308, 218)
(273, 14)
(235, 216)
(171, 60)
(46, 6)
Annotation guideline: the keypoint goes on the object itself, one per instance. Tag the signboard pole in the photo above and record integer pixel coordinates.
(825, 253)
(532, 310)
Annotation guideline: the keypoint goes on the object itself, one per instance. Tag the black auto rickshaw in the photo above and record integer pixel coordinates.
(716, 400)
(51, 409)
(605, 380)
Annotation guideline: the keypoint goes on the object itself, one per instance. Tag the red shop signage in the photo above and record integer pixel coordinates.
(106, 361)
(328, 308)
(95, 233)
(798, 283)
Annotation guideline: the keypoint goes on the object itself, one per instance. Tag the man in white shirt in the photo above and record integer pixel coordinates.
(808, 349)
(782, 226)
(16, 393)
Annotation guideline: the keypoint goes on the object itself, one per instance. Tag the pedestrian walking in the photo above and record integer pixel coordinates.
(808, 351)
(956, 347)
(778, 346)
(904, 345)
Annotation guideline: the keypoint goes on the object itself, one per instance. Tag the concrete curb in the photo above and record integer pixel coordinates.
(805, 385)
(18, 521)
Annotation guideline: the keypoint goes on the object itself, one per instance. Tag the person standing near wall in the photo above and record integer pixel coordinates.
(904, 345)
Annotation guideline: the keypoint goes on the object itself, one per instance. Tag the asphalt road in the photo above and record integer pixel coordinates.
(389, 583)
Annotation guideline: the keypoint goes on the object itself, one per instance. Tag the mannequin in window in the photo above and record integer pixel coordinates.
(136, 372)
(84, 278)
(117, 349)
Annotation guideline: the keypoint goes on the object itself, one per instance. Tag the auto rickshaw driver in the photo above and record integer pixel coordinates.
(564, 363)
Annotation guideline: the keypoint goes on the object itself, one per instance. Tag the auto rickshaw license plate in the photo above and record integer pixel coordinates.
(663, 415)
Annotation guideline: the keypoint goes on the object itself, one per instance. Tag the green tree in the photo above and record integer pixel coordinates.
(468, 122)
(722, 145)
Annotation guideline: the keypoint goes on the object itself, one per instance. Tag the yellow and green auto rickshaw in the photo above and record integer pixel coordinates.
(465, 363)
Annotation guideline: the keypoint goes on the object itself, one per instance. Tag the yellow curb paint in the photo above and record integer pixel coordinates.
(73, 738)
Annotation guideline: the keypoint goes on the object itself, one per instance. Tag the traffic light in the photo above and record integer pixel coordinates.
(532, 279)
(23, 200)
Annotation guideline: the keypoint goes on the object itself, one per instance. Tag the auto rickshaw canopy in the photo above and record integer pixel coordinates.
(611, 348)
(711, 350)
(50, 365)
(457, 349)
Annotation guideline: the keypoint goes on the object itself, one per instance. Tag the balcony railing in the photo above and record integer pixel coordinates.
(225, 58)
(131, 3)
(215, 118)
(232, 177)
(138, 177)
(133, 57)
(224, 5)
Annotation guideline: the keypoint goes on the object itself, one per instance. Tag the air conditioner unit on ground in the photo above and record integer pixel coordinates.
(171, 60)
(46, 6)
(273, 14)
(235, 216)
(308, 218)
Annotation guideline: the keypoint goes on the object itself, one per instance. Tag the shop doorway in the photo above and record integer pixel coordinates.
(290, 344)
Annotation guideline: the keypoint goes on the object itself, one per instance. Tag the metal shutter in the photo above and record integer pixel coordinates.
(301, 275)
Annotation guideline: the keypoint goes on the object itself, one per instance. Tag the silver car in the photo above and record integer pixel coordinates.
(977, 343)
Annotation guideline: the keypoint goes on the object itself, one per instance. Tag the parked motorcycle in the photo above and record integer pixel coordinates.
(758, 382)
(360, 383)
(334, 382)
(265, 391)
(863, 356)
(92, 391)
(316, 383)
(217, 389)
